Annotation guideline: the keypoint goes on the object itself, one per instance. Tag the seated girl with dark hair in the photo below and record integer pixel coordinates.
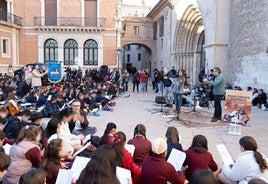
(4, 164)
(173, 140)
(76, 141)
(203, 177)
(34, 176)
(124, 158)
(143, 147)
(51, 162)
(108, 136)
(198, 157)
(101, 169)
(250, 164)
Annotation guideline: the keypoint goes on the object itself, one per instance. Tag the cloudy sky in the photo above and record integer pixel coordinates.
(139, 2)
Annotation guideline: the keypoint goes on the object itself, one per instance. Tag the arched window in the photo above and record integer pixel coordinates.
(70, 52)
(91, 53)
(50, 50)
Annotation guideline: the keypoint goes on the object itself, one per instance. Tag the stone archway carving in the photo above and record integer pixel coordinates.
(187, 52)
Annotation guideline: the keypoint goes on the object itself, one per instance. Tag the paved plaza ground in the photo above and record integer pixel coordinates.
(137, 109)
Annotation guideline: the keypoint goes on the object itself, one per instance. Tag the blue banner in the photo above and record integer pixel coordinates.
(54, 72)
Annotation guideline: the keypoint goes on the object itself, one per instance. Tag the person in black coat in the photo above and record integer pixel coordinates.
(16, 123)
(23, 89)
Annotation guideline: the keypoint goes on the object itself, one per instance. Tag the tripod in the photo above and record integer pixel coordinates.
(176, 118)
(194, 109)
(161, 111)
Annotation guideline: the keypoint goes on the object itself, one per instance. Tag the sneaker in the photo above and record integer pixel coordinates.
(263, 107)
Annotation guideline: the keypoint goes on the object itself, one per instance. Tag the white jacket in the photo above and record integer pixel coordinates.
(244, 169)
(66, 136)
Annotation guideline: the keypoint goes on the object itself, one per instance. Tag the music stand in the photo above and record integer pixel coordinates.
(194, 109)
(161, 111)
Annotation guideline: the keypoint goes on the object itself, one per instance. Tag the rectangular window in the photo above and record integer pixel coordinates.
(138, 47)
(136, 30)
(139, 57)
(51, 12)
(161, 26)
(128, 58)
(155, 30)
(5, 47)
(162, 44)
(91, 13)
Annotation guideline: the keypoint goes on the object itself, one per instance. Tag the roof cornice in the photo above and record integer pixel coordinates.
(160, 6)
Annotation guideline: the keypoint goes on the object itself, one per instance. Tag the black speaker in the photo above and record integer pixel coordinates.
(160, 100)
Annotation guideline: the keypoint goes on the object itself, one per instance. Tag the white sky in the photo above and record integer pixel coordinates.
(139, 2)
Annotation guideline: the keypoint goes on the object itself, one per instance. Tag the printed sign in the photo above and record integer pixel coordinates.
(238, 107)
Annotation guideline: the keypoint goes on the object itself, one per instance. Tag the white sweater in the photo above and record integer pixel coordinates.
(66, 135)
(244, 169)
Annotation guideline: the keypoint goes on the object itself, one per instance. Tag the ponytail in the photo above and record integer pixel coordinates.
(250, 144)
(260, 160)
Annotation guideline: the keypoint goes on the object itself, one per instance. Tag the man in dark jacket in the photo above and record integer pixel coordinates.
(16, 123)
(23, 89)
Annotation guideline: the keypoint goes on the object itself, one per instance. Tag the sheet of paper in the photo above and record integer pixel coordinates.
(82, 149)
(225, 155)
(130, 148)
(87, 138)
(79, 164)
(7, 148)
(64, 176)
(176, 158)
(123, 175)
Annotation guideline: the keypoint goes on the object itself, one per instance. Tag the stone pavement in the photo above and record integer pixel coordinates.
(128, 112)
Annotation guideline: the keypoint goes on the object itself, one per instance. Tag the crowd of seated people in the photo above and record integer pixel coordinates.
(31, 153)
(37, 154)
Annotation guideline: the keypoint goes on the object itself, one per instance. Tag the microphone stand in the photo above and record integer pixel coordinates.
(194, 109)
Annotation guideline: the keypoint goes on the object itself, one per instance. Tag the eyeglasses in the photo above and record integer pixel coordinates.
(76, 105)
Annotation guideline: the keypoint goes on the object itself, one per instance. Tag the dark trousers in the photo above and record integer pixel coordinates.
(217, 106)
(134, 85)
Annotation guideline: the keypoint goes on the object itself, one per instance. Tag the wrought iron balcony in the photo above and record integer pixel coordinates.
(10, 18)
(69, 21)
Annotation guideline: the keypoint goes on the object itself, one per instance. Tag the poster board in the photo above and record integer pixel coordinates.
(238, 107)
(54, 72)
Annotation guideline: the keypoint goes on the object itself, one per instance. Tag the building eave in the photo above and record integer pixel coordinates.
(160, 6)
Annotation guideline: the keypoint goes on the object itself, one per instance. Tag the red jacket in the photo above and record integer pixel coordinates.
(156, 170)
(143, 78)
(198, 161)
(130, 165)
(143, 149)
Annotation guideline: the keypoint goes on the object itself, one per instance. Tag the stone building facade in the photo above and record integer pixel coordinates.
(76, 32)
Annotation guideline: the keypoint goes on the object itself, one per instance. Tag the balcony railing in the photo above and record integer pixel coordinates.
(11, 18)
(69, 21)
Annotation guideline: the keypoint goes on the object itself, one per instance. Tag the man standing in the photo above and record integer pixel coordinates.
(218, 92)
(167, 88)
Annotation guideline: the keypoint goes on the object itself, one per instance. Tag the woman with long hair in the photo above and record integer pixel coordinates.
(143, 147)
(36, 76)
(25, 154)
(101, 169)
(124, 158)
(108, 136)
(173, 140)
(76, 141)
(250, 164)
(51, 162)
(198, 157)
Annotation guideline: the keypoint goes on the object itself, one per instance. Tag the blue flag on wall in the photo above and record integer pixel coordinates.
(54, 72)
